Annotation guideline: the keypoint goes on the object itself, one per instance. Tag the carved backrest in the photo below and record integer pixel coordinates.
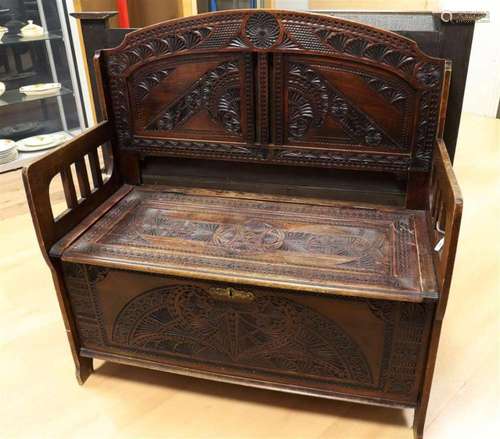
(276, 87)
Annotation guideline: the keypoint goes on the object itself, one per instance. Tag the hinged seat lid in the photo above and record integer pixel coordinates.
(338, 249)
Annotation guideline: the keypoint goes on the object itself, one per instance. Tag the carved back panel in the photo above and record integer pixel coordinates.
(276, 87)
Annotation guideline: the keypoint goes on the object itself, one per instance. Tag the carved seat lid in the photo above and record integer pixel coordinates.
(338, 249)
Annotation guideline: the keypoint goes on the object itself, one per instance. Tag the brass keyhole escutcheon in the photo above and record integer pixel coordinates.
(231, 294)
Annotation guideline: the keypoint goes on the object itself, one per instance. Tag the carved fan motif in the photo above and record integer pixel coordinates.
(148, 82)
(311, 99)
(217, 91)
(268, 332)
(361, 47)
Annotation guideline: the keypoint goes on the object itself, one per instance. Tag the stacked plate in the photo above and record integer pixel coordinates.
(8, 151)
(40, 89)
(42, 141)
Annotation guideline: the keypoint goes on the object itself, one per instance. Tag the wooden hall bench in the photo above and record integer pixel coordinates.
(277, 208)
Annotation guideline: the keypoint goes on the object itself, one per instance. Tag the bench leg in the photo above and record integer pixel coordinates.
(83, 365)
(84, 368)
(419, 422)
(423, 402)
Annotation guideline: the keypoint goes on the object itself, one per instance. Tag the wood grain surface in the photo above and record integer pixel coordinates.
(356, 251)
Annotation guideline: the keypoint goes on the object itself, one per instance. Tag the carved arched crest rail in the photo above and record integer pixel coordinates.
(276, 87)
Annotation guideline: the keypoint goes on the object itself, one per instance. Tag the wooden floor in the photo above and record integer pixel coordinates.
(39, 396)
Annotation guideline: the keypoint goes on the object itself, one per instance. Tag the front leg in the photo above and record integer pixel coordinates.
(425, 390)
(84, 368)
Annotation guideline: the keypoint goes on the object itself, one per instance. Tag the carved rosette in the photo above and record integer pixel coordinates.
(428, 75)
(262, 30)
(254, 235)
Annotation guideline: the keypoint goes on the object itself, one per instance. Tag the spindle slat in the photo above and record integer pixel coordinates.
(95, 168)
(69, 188)
(83, 178)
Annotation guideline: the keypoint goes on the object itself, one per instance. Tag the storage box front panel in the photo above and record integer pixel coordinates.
(331, 344)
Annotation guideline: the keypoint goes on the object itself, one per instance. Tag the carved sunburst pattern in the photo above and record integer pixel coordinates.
(268, 332)
(262, 30)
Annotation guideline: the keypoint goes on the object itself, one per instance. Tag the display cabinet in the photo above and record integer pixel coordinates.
(39, 54)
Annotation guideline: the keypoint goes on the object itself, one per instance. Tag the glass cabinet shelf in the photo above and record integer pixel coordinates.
(11, 97)
(18, 39)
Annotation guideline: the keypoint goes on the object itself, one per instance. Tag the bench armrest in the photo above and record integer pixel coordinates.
(38, 175)
(444, 216)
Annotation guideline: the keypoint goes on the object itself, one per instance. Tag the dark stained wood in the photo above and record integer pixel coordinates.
(243, 230)
(95, 168)
(69, 188)
(37, 177)
(314, 343)
(251, 381)
(178, 99)
(349, 251)
(436, 33)
(83, 178)
(444, 213)
(296, 181)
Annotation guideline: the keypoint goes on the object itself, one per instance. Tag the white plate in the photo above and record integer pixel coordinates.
(6, 145)
(60, 139)
(40, 89)
(6, 153)
(43, 139)
(9, 158)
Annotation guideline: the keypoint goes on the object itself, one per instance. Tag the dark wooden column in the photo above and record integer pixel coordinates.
(98, 35)
(456, 32)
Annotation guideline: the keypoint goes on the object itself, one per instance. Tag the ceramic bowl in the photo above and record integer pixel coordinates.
(32, 30)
